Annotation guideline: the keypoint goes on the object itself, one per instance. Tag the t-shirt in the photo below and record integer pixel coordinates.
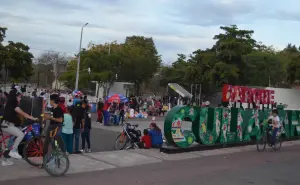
(276, 118)
(56, 113)
(10, 114)
(78, 116)
(63, 107)
(146, 139)
(156, 137)
(68, 124)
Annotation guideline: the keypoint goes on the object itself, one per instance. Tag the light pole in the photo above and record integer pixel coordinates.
(78, 61)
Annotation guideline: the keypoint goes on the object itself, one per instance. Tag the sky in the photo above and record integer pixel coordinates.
(177, 26)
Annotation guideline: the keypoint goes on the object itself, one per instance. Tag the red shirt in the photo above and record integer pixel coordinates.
(147, 141)
(63, 107)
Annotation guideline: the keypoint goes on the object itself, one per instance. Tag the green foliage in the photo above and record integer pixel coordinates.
(238, 59)
(134, 61)
(15, 58)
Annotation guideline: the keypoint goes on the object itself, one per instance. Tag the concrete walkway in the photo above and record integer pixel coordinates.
(117, 159)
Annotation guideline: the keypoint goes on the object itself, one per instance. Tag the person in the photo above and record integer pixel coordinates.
(122, 112)
(62, 104)
(2, 102)
(156, 136)
(11, 121)
(69, 103)
(78, 118)
(275, 126)
(56, 119)
(67, 131)
(145, 140)
(85, 135)
(100, 111)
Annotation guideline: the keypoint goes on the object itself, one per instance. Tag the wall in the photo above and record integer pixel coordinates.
(116, 88)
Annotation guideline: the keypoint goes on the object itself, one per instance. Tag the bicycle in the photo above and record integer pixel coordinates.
(33, 149)
(55, 156)
(266, 138)
(26, 130)
(130, 134)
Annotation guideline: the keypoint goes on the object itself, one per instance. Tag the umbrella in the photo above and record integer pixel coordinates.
(117, 98)
(77, 93)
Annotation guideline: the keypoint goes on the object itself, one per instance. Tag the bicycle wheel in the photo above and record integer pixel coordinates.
(33, 151)
(277, 144)
(261, 143)
(56, 163)
(121, 142)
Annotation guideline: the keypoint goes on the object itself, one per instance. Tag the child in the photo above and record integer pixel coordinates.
(85, 135)
(146, 140)
(156, 136)
(67, 131)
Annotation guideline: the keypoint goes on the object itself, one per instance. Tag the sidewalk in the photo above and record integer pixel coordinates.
(117, 159)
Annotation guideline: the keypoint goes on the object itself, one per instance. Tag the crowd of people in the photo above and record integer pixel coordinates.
(114, 113)
(75, 117)
(75, 120)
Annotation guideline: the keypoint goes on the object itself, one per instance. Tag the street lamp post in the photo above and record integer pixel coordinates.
(78, 61)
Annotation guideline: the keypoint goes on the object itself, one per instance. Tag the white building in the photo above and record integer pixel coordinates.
(116, 88)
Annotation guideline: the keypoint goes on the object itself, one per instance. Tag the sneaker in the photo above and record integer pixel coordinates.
(82, 151)
(88, 151)
(67, 153)
(6, 162)
(15, 154)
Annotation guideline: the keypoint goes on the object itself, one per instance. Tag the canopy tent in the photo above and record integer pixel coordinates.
(180, 90)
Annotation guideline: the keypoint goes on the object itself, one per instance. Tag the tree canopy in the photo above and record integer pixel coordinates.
(238, 59)
(135, 60)
(15, 59)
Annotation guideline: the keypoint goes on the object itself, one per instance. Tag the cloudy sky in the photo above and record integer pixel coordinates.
(177, 26)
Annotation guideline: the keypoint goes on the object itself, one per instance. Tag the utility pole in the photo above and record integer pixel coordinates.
(78, 60)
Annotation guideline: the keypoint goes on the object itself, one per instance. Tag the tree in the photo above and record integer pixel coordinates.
(2, 34)
(18, 60)
(140, 60)
(104, 60)
(230, 48)
(52, 62)
(134, 61)
(15, 59)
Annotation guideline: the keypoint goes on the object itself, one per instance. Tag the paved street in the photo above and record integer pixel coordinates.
(103, 137)
(102, 140)
(230, 166)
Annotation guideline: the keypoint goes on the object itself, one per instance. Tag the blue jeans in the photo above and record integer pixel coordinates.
(76, 134)
(274, 134)
(68, 139)
(86, 137)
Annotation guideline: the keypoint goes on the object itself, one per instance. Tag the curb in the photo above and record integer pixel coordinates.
(175, 150)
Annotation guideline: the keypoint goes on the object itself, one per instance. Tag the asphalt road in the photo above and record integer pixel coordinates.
(104, 140)
(251, 167)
